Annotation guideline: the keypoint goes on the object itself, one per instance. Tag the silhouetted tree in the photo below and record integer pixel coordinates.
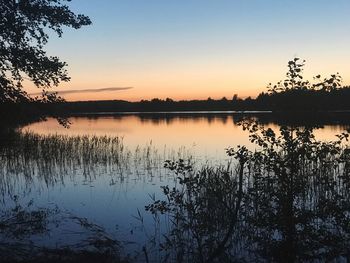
(235, 97)
(296, 82)
(295, 93)
(23, 35)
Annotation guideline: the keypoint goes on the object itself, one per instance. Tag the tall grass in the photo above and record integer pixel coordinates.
(26, 158)
(29, 161)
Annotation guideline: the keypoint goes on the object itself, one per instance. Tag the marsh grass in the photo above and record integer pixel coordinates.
(29, 162)
(27, 158)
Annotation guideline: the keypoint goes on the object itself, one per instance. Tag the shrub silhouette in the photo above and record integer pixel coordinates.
(288, 200)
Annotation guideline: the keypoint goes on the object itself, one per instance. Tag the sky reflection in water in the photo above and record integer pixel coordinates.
(112, 201)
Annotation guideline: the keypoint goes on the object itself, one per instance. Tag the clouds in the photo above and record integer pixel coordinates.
(78, 91)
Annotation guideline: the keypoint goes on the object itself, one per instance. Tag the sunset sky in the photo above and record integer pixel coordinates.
(195, 49)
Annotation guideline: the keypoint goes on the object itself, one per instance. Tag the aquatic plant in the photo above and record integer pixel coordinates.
(27, 159)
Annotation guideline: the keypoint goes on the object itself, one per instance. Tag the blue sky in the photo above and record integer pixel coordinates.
(201, 48)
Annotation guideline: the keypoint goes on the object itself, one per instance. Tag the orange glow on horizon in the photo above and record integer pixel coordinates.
(188, 83)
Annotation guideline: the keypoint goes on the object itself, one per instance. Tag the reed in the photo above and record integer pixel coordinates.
(27, 158)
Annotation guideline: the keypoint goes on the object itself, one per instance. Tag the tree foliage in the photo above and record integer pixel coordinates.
(24, 28)
(287, 201)
(295, 81)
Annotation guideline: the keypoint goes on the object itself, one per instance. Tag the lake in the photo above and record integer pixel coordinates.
(204, 135)
(114, 197)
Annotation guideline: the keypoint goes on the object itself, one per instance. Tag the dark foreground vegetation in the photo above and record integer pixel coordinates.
(24, 27)
(288, 201)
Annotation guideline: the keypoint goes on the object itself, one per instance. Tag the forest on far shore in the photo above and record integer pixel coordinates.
(293, 100)
(286, 101)
(291, 95)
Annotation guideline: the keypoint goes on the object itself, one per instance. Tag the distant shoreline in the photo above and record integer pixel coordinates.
(299, 104)
(305, 118)
(172, 112)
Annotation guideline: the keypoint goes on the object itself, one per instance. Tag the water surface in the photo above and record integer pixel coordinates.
(112, 196)
(205, 135)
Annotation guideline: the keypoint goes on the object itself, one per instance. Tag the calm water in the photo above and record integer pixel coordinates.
(112, 199)
(204, 135)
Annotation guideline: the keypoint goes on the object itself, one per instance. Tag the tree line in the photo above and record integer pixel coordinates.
(286, 101)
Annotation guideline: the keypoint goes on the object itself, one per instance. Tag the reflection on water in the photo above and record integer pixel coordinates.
(109, 179)
(205, 135)
(97, 178)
